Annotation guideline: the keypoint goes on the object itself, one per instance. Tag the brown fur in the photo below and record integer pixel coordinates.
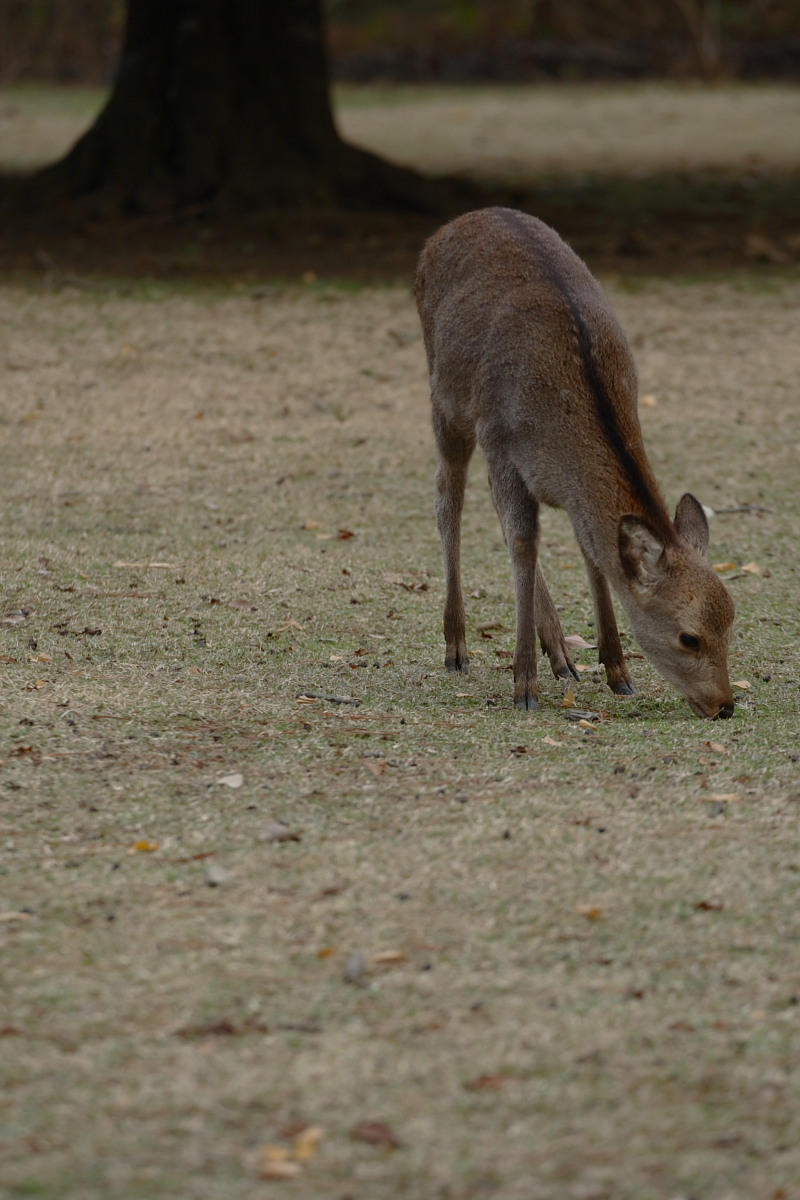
(527, 358)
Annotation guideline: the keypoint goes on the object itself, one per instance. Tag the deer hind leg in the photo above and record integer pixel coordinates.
(609, 647)
(551, 635)
(455, 452)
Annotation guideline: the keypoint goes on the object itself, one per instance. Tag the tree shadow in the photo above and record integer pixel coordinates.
(665, 223)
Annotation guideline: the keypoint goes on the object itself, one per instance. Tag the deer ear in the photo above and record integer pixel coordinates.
(691, 522)
(641, 551)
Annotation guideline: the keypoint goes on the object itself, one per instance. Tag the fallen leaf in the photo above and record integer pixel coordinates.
(145, 566)
(14, 618)
(376, 1133)
(717, 747)
(726, 566)
(548, 741)
(592, 912)
(36, 686)
(344, 535)
(311, 525)
(648, 401)
(144, 846)
(584, 724)
(491, 1083)
(568, 700)
(377, 766)
(578, 643)
(741, 683)
(721, 797)
(327, 952)
(709, 906)
(387, 958)
(279, 831)
(232, 781)
(43, 658)
(275, 1169)
(307, 1141)
(760, 248)
(215, 876)
(583, 714)
(751, 568)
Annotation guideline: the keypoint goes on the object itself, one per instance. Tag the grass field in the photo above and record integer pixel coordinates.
(286, 909)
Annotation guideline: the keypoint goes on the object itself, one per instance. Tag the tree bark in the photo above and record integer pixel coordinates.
(228, 102)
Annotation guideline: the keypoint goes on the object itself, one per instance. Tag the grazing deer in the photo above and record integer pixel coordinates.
(527, 358)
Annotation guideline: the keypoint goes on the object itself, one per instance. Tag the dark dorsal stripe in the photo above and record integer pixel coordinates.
(606, 412)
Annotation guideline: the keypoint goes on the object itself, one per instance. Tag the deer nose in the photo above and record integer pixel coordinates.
(726, 710)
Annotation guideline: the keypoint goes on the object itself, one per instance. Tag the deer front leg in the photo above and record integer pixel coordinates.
(451, 481)
(551, 635)
(609, 647)
(523, 557)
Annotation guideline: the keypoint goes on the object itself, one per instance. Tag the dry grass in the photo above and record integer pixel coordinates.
(589, 985)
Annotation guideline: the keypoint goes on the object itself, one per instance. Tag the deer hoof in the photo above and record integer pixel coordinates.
(623, 688)
(527, 703)
(457, 662)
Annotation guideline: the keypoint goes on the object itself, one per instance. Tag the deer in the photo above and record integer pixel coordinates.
(528, 360)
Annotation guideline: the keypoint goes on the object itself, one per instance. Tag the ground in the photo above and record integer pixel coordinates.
(280, 896)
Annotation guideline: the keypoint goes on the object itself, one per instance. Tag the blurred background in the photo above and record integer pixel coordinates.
(458, 40)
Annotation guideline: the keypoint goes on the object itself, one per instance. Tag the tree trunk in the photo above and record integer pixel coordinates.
(227, 101)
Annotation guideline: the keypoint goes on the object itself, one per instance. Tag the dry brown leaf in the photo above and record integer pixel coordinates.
(741, 683)
(311, 524)
(584, 724)
(717, 747)
(548, 741)
(578, 643)
(648, 401)
(568, 700)
(491, 1083)
(144, 846)
(726, 566)
(761, 248)
(307, 1141)
(592, 912)
(276, 1169)
(376, 1133)
(344, 535)
(721, 797)
(376, 766)
(387, 958)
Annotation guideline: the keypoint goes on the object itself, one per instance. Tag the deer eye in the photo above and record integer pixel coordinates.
(689, 641)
